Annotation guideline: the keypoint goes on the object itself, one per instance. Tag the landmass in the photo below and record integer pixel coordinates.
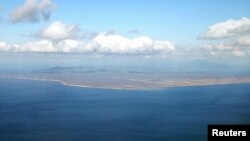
(131, 80)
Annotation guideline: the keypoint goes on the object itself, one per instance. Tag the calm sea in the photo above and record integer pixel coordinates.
(47, 111)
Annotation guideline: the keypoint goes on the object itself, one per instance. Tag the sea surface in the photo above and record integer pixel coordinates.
(48, 111)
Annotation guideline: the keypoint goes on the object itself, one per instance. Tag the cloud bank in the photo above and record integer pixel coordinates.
(101, 44)
(117, 44)
(223, 50)
(60, 37)
(33, 11)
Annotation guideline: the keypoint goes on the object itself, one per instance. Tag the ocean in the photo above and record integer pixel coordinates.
(48, 111)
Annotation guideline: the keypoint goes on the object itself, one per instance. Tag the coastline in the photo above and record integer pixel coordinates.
(63, 83)
(156, 85)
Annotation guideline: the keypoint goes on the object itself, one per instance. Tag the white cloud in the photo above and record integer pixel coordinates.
(222, 50)
(118, 44)
(33, 11)
(59, 31)
(219, 47)
(40, 46)
(244, 41)
(234, 36)
(66, 36)
(70, 45)
(229, 28)
(101, 44)
(4, 47)
(238, 53)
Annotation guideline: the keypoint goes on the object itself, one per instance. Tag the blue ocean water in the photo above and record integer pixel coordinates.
(47, 111)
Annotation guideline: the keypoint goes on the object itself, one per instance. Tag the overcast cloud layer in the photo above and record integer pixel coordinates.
(33, 11)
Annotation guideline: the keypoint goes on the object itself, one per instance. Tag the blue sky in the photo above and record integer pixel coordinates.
(180, 22)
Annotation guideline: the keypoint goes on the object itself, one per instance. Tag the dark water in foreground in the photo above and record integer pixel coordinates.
(47, 111)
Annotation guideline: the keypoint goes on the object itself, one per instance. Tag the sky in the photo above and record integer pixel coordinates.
(142, 27)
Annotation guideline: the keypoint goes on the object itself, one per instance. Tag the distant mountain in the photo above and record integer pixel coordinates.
(197, 66)
(56, 69)
(204, 66)
(77, 69)
(198, 63)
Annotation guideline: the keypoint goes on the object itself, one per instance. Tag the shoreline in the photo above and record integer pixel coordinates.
(161, 87)
(64, 83)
